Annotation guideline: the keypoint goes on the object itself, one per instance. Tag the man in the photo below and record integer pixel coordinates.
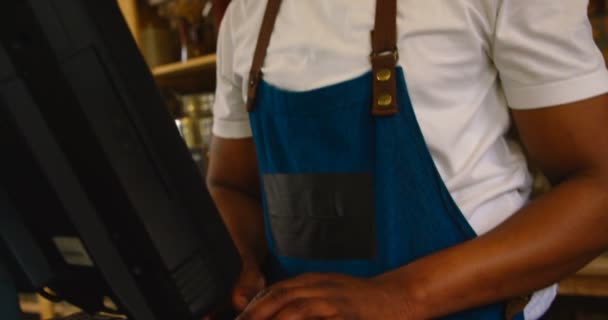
(378, 203)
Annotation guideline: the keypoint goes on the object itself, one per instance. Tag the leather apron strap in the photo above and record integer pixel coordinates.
(255, 75)
(384, 56)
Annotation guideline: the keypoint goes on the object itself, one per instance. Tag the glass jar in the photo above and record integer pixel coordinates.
(198, 119)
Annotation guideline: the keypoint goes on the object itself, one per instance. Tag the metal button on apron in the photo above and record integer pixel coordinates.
(385, 100)
(383, 75)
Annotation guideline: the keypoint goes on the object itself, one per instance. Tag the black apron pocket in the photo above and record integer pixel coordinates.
(322, 216)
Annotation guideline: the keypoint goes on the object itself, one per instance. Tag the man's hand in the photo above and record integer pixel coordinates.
(327, 296)
(234, 184)
(249, 285)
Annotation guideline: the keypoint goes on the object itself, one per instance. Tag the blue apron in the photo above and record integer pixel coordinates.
(347, 192)
(9, 309)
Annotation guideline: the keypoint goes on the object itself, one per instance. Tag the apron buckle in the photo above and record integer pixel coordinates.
(394, 53)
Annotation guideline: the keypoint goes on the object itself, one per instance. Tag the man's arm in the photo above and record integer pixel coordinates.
(234, 184)
(544, 242)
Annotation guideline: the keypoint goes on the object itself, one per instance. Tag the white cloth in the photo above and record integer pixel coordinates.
(465, 62)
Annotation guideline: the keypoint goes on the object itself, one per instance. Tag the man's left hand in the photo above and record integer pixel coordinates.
(327, 296)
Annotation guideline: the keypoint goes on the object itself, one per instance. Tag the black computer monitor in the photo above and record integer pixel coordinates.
(99, 196)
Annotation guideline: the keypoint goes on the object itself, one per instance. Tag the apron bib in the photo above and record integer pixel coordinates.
(348, 189)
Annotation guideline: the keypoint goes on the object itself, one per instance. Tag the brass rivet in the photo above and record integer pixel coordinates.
(383, 75)
(385, 100)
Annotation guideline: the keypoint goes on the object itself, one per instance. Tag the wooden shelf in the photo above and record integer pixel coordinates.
(599, 267)
(592, 280)
(195, 65)
(194, 75)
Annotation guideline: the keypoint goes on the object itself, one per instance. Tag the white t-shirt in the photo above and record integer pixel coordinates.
(465, 62)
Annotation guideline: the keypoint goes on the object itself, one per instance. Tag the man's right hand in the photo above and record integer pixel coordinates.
(250, 283)
(234, 184)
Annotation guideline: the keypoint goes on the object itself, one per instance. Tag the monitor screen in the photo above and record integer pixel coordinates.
(99, 197)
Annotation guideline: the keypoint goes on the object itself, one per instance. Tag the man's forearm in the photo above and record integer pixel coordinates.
(243, 215)
(551, 238)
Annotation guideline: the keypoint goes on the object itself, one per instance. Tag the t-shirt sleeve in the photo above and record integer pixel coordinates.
(230, 117)
(545, 53)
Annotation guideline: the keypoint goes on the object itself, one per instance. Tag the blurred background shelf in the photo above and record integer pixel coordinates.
(599, 267)
(590, 281)
(177, 39)
(197, 74)
(195, 65)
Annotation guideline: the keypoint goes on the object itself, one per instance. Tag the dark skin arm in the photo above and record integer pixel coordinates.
(549, 239)
(233, 182)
